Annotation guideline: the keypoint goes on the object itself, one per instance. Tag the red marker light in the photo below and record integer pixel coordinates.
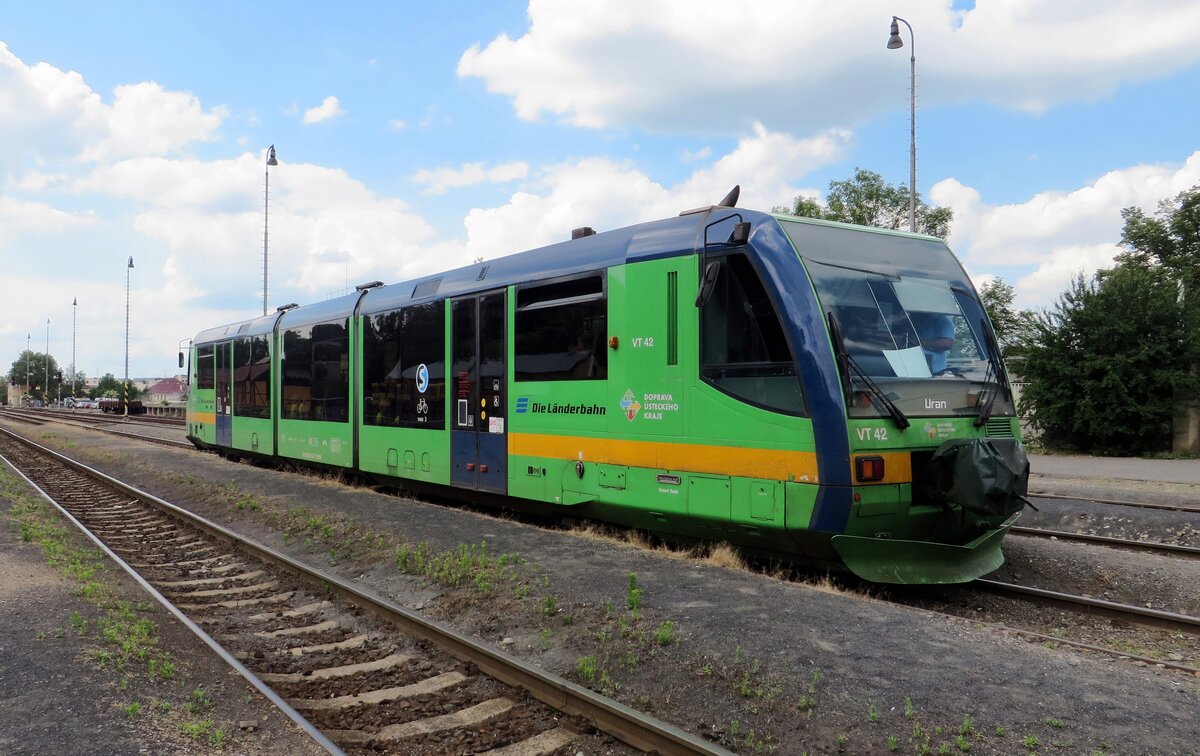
(868, 469)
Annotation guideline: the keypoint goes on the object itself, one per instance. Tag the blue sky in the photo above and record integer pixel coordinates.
(415, 137)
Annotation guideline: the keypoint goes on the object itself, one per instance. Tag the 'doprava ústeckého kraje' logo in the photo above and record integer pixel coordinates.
(522, 405)
(630, 405)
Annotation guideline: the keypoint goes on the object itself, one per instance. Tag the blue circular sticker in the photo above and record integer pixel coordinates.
(422, 378)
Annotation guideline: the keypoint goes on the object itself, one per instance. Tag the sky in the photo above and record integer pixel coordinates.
(417, 137)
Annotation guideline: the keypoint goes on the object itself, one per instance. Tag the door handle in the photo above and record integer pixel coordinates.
(470, 466)
(483, 468)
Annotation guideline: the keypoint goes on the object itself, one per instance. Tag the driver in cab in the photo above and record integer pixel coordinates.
(936, 332)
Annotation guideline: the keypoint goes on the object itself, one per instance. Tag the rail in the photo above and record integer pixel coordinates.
(1141, 615)
(1124, 543)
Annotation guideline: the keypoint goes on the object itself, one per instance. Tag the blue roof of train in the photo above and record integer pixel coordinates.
(645, 241)
(671, 237)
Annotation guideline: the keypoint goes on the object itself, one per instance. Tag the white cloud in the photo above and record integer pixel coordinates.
(19, 218)
(398, 124)
(691, 65)
(47, 114)
(439, 180)
(602, 193)
(1059, 234)
(145, 119)
(328, 109)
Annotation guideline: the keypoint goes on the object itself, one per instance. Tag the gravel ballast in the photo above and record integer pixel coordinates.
(754, 662)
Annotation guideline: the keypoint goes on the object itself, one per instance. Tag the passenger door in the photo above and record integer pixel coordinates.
(478, 438)
(224, 398)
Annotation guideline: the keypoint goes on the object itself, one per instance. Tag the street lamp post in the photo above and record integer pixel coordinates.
(266, 200)
(28, 354)
(895, 43)
(125, 386)
(46, 392)
(74, 310)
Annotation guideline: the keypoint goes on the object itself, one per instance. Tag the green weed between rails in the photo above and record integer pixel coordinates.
(341, 537)
(127, 642)
(665, 635)
(248, 501)
(205, 729)
(586, 668)
(467, 564)
(633, 597)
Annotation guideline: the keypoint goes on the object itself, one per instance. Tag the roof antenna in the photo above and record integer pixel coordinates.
(731, 198)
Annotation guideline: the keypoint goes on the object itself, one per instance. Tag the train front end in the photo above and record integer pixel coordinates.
(932, 473)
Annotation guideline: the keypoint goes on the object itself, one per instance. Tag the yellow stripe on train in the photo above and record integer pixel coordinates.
(772, 464)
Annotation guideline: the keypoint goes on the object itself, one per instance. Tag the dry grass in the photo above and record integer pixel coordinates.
(322, 476)
(717, 555)
(724, 555)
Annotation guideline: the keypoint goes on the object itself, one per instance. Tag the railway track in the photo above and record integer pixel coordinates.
(1118, 502)
(1170, 549)
(356, 671)
(1139, 615)
(1123, 613)
(90, 424)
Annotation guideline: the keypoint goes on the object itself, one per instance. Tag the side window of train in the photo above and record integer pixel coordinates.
(562, 330)
(743, 350)
(251, 377)
(316, 372)
(204, 367)
(404, 367)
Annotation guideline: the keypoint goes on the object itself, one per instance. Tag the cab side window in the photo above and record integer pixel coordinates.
(743, 350)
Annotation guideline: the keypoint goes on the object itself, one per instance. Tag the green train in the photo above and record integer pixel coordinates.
(813, 391)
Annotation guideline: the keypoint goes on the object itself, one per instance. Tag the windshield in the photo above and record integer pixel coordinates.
(908, 318)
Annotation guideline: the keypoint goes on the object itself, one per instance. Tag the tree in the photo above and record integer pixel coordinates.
(1104, 363)
(1014, 328)
(30, 369)
(1170, 241)
(108, 386)
(80, 385)
(1170, 238)
(868, 200)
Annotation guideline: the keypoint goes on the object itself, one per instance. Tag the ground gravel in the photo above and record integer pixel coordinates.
(754, 662)
(54, 699)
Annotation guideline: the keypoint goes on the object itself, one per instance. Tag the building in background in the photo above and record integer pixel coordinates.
(168, 390)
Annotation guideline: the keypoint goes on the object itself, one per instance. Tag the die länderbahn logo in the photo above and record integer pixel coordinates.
(526, 405)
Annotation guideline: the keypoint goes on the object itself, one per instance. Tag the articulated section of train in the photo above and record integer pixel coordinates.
(812, 391)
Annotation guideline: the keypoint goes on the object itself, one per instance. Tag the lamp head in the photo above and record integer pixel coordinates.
(271, 156)
(894, 41)
(130, 262)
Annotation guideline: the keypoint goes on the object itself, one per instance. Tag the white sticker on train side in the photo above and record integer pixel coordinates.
(876, 434)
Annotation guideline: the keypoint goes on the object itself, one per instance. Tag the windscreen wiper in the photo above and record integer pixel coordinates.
(847, 364)
(995, 367)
